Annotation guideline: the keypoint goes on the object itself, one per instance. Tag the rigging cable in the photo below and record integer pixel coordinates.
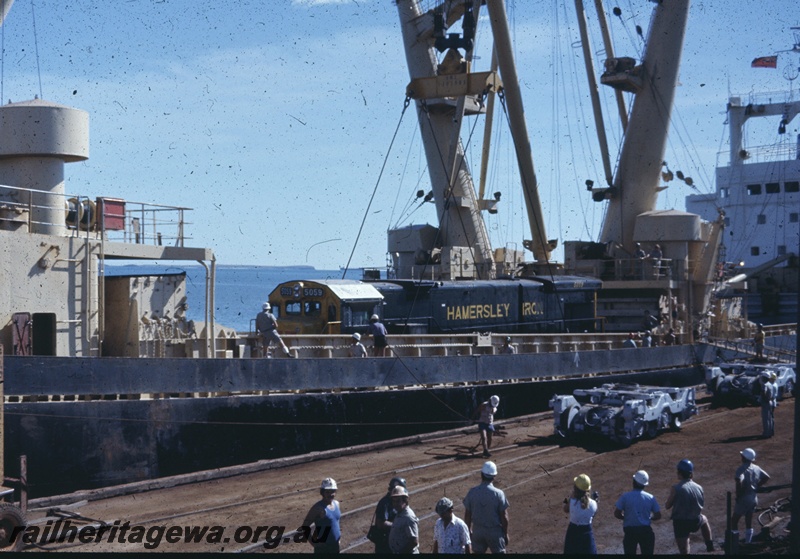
(36, 49)
(375, 190)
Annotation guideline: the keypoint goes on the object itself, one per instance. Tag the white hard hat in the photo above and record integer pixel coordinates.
(489, 468)
(356, 336)
(749, 454)
(641, 478)
(494, 400)
(266, 306)
(329, 483)
(374, 317)
(399, 491)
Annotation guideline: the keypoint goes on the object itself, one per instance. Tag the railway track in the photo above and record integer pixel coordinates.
(529, 456)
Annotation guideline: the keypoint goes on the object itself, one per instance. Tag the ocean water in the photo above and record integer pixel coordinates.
(240, 290)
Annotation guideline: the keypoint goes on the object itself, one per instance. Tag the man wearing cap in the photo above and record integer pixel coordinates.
(686, 500)
(485, 416)
(749, 478)
(267, 328)
(769, 399)
(487, 513)
(357, 349)
(507, 347)
(404, 535)
(325, 515)
(637, 508)
(384, 515)
(378, 332)
(450, 533)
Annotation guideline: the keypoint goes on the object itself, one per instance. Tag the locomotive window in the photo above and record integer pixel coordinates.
(276, 311)
(312, 308)
(293, 308)
(355, 315)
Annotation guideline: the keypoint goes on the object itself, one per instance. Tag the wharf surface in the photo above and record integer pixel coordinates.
(536, 469)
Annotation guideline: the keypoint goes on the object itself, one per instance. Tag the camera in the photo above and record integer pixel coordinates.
(595, 495)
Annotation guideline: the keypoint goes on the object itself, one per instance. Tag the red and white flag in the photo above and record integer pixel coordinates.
(765, 62)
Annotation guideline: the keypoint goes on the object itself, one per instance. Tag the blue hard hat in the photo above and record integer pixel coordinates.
(686, 466)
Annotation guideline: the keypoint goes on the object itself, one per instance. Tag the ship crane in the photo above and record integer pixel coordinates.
(445, 92)
(679, 282)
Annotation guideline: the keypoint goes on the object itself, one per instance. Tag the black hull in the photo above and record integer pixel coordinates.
(85, 444)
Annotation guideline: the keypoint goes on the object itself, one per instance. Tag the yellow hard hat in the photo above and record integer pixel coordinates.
(583, 482)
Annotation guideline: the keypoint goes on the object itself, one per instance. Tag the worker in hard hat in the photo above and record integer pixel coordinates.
(450, 533)
(486, 513)
(485, 416)
(384, 517)
(769, 400)
(325, 515)
(686, 500)
(758, 341)
(637, 509)
(377, 330)
(749, 478)
(357, 349)
(581, 508)
(404, 535)
(267, 328)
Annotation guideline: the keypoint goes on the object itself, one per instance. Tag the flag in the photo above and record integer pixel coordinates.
(765, 62)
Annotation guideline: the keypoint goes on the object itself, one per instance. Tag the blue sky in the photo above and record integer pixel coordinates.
(272, 120)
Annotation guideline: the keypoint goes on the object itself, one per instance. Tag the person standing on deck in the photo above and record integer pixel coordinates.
(378, 332)
(267, 328)
(357, 349)
(325, 515)
(758, 341)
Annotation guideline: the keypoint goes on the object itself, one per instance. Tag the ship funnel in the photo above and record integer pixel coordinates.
(36, 139)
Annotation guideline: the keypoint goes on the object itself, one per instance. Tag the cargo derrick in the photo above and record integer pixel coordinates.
(445, 92)
(678, 284)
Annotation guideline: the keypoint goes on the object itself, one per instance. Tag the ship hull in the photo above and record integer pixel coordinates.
(88, 423)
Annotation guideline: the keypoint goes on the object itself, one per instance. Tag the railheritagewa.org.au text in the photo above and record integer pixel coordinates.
(152, 537)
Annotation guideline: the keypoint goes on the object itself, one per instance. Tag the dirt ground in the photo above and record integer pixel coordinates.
(535, 470)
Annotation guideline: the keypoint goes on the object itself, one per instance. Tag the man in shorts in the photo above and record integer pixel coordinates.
(267, 327)
(485, 416)
(749, 478)
(686, 501)
(378, 332)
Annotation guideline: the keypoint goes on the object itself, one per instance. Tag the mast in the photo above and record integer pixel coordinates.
(635, 188)
(539, 244)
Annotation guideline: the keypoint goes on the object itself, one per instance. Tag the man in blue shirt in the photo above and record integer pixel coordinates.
(486, 513)
(637, 508)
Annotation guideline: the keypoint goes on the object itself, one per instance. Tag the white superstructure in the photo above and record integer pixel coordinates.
(759, 189)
